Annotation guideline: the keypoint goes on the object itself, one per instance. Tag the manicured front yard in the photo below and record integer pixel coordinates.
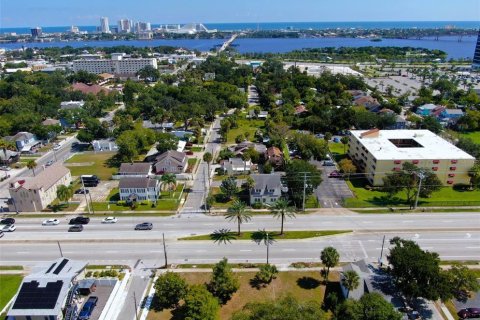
(475, 136)
(92, 163)
(304, 286)
(275, 235)
(162, 205)
(447, 196)
(9, 284)
(245, 125)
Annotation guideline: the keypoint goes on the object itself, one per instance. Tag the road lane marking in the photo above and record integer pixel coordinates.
(363, 249)
(245, 250)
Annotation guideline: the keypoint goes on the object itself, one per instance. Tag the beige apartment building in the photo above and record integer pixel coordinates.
(36, 193)
(378, 152)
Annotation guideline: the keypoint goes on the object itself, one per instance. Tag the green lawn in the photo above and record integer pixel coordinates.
(56, 206)
(92, 163)
(196, 149)
(9, 284)
(162, 205)
(9, 268)
(475, 136)
(337, 148)
(447, 196)
(244, 125)
(288, 235)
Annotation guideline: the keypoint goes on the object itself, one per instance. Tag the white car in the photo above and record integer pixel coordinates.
(56, 147)
(109, 220)
(50, 222)
(8, 228)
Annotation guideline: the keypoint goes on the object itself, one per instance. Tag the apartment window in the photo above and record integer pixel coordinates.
(450, 181)
(415, 161)
(436, 161)
(435, 168)
(396, 169)
(454, 161)
(397, 161)
(453, 168)
(257, 199)
(451, 175)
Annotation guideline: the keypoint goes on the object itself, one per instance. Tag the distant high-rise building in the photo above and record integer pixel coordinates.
(142, 27)
(124, 25)
(74, 29)
(36, 32)
(476, 55)
(104, 25)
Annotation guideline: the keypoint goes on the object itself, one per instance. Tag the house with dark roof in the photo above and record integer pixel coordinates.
(136, 169)
(34, 194)
(8, 157)
(267, 190)
(47, 292)
(275, 156)
(240, 148)
(139, 189)
(171, 162)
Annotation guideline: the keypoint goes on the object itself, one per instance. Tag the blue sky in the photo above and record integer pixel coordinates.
(19, 13)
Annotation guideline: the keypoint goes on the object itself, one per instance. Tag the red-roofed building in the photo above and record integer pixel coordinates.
(85, 88)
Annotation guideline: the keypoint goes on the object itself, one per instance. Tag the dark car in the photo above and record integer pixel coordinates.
(469, 313)
(82, 191)
(7, 221)
(144, 226)
(87, 309)
(80, 220)
(76, 228)
(335, 174)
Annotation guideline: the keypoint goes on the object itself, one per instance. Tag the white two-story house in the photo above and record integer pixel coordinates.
(139, 189)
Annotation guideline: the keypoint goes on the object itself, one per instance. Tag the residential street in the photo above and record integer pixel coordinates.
(196, 198)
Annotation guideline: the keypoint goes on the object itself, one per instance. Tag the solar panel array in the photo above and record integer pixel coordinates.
(60, 266)
(31, 296)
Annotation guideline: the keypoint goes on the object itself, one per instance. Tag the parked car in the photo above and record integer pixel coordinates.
(82, 191)
(328, 163)
(49, 163)
(50, 222)
(109, 220)
(7, 221)
(76, 228)
(8, 228)
(87, 308)
(469, 313)
(80, 220)
(335, 174)
(5, 168)
(56, 147)
(144, 226)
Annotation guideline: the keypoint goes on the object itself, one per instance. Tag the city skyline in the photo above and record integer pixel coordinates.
(24, 13)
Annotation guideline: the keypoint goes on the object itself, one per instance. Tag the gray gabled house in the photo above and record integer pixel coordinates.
(267, 190)
(171, 162)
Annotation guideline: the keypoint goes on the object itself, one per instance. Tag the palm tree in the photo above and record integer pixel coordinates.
(282, 210)
(222, 236)
(344, 140)
(64, 193)
(237, 212)
(350, 281)
(31, 164)
(207, 157)
(246, 157)
(6, 145)
(330, 258)
(169, 182)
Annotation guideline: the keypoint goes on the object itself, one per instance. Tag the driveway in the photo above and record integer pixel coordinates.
(331, 191)
(473, 302)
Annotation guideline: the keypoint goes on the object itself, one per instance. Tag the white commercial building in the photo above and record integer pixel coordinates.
(36, 193)
(118, 65)
(379, 152)
(104, 25)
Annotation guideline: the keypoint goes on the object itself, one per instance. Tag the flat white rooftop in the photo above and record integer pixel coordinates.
(415, 145)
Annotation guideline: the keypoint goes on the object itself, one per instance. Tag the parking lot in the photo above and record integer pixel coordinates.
(331, 191)
(100, 192)
(103, 293)
(473, 302)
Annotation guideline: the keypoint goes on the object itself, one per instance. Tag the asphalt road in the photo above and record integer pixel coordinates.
(196, 197)
(30, 229)
(450, 245)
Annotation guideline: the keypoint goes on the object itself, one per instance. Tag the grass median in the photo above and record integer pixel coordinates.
(9, 284)
(273, 235)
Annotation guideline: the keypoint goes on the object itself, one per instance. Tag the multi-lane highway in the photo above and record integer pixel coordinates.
(452, 235)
